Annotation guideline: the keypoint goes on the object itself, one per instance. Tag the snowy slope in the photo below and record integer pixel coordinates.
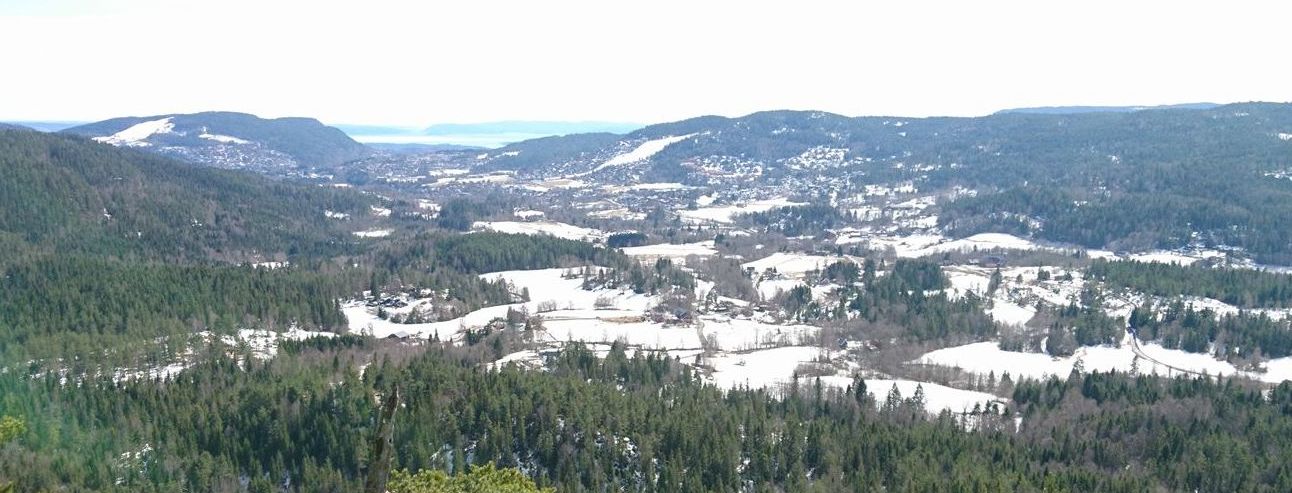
(642, 152)
(134, 135)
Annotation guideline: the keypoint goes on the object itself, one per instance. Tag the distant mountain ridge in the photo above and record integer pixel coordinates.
(532, 127)
(43, 125)
(773, 144)
(1075, 110)
(232, 140)
(481, 135)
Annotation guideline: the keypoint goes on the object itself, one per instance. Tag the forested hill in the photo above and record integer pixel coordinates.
(232, 140)
(1069, 110)
(1031, 145)
(67, 194)
(1152, 178)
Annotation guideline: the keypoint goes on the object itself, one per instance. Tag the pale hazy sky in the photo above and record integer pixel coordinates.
(421, 62)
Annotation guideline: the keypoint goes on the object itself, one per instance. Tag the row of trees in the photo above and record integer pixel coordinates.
(1244, 288)
(642, 423)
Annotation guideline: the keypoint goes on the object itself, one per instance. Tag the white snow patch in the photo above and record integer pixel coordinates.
(671, 251)
(1164, 257)
(986, 357)
(726, 214)
(551, 228)
(1009, 313)
(134, 135)
(791, 264)
(978, 242)
(767, 368)
(643, 151)
(223, 139)
(373, 233)
(659, 186)
(770, 288)
(936, 397)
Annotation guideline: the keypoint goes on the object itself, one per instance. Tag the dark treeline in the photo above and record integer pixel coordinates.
(1243, 336)
(301, 423)
(800, 220)
(1122, 181)
(492, 252)
(910, 297)
(1244, 288)
(453, 260)
(74, 307)
(1233, 209)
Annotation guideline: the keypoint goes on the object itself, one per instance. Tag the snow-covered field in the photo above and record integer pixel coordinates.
(903, 245)
(770, 288)
(550, 228)
(548, 289)
(373, 233)
(726, 214)
(134, 135)
(979, 242)
(791, 264)
(766, 368)
(676, 252)
(775, 368)
(1010, 313)
(985, 357)
(936, 397)
(1164, 257)
(618, 213)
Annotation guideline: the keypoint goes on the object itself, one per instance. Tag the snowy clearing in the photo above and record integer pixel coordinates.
(134, 135)
(978, 242)
(550, 228)
(676, 252)
(936, 397)
(1010, 313)
(985, 357)
(373, 233)
(768, 368)
(791, 264)
(224, 139)
(642, 152)
(1164, 257)
(727, 214)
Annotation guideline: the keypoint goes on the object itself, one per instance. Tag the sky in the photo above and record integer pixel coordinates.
(414, 63)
